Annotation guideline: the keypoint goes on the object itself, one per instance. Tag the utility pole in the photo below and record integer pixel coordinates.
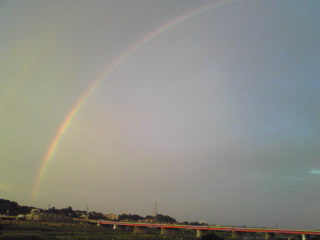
(155, 211)
(87, 215)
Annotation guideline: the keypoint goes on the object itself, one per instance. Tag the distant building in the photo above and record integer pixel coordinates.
(35, 211)
(34, 215)
(111, 216)
(37, 216)
(21, 217)
(52, 217)
(85, 216)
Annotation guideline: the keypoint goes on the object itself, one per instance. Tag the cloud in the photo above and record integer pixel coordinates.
(314, 171)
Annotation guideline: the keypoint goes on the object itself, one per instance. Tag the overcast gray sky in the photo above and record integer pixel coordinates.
(216, 118)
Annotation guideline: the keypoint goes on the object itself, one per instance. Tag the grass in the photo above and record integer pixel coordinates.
(42, 232)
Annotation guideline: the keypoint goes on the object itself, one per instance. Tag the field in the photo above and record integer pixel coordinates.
(81, 232)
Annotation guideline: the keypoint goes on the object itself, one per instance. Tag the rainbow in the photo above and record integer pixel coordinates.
(114, 64)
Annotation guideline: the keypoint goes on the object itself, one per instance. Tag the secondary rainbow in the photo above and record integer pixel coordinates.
(113, 65)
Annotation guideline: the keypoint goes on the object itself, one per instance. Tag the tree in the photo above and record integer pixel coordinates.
(211, 236)
(129, 217)
(165, 219)
(12, 208)
(195, 223)
(96, 215)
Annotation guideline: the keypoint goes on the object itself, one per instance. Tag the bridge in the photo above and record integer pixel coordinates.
(236, 232)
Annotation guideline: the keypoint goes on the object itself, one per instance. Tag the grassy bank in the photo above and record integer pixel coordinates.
(38, 232)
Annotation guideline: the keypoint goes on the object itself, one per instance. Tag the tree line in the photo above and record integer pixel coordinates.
(12, 208)
(135, 217)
